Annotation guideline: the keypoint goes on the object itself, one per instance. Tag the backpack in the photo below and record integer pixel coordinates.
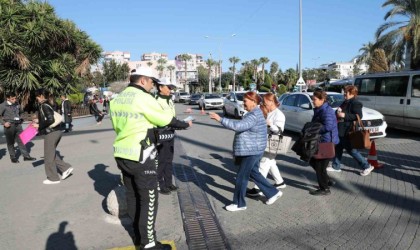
(307, 144)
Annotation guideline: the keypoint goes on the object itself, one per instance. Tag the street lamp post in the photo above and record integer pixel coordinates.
(210, 85)
(300, 82)
(220, 39)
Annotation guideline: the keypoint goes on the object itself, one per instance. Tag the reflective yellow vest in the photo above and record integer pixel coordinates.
(133, 112)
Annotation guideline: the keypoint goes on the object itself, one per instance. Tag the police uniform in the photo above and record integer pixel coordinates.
(134, 113)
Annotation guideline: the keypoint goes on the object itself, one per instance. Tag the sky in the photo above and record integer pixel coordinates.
(332, 30)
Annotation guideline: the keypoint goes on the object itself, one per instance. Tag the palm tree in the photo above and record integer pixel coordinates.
(40, 50)
(274, 69)
(160, 68)
(367, 51)
(255, 63)
(234, 60)
(171, 68)
(406, 34)
(210, 63)
(263, 61)
(149, 64)
(185, 58)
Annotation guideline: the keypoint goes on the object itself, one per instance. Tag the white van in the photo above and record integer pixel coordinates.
(395, 95)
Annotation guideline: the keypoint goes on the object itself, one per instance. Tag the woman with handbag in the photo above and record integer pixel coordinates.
(346, 115)
(45, 124)
(275, 122)
(324, 114)
(248, 147)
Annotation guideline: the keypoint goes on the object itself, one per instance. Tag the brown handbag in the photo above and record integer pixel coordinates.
(359, 136)
(326, 150)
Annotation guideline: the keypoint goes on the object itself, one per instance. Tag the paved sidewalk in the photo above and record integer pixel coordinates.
(72, 214)
(380, 211)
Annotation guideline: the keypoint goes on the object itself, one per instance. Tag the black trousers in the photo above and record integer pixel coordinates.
(320, 167)
(142, 197)
(12, 136)
(165, 159)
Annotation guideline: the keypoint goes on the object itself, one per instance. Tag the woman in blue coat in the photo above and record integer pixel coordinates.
(248, 146)
(324, 114)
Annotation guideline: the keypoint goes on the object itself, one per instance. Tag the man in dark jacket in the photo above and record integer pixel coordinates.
(10, 111)
(66, 113)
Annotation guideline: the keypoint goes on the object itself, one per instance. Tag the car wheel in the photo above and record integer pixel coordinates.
(224, 112)
(237, 114)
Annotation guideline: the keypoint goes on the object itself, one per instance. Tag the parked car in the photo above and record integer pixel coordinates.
(396, 95)
(298, 109)
(234, 104)
(194, 99)
(209, 101)
(182, 97)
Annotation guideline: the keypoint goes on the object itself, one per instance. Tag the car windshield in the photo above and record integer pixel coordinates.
(183, 93)
(335, 100)
(196, 96)
(211, 96)
(240, 96)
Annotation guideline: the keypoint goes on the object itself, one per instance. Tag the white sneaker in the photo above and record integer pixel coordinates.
(367, 171)
(274, 198)
(66, 173)
(48, 182)
(234, 208)
(331, 169)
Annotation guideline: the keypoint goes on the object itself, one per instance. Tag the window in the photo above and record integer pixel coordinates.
(393, 86)
(415, 89)
(366, 86)
(304, 102)
(290, 100)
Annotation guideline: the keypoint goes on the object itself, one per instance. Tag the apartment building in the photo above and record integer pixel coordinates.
(346, 69)
(154, 56)
(118, 56)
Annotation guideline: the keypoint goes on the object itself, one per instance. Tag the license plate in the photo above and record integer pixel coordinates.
(373, 130)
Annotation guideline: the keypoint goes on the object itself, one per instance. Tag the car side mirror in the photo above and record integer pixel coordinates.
(305, 106)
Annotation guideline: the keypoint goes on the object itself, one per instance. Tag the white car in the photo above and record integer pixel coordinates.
(182, 97)
(234, 104)
(298, 109)
(210, 101)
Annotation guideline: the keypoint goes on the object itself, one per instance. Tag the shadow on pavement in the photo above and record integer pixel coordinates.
(104, 182)
(61, 240)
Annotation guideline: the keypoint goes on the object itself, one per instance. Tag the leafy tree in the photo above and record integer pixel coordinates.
(281, 89)
(114, 71)
(149, 64)
(255, 63)
(227, 79)
(38, 49)
(402, 34)
(203, 78)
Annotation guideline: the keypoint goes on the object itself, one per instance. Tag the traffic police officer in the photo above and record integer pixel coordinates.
(134, 114)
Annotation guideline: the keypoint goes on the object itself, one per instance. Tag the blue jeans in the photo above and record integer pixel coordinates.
(345, 144)
(250, 167)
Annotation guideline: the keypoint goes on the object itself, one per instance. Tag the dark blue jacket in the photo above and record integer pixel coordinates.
(326, 115)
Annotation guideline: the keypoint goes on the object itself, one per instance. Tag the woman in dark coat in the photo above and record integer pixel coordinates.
(324, 114)
(51, 139)
(346, 115)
